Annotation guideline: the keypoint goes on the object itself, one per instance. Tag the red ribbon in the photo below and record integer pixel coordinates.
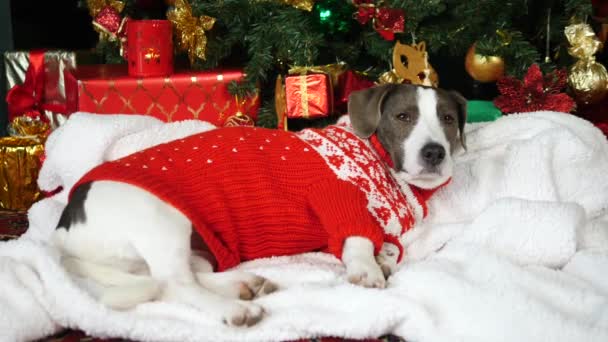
(26, 99)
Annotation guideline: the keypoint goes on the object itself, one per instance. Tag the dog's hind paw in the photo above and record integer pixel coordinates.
(237, 285)
(244, 314)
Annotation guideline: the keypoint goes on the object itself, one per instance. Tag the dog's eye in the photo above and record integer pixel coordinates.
(448, 119)
(404, 117)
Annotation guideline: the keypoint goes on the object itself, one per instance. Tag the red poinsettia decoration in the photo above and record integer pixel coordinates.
(536, 92)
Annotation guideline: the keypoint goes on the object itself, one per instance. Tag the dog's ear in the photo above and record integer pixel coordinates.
(365, 109)
(462, 115)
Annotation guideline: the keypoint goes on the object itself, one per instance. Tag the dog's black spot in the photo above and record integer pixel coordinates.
(74, 211)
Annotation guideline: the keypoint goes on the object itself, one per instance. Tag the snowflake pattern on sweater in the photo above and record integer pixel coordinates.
(354, 160)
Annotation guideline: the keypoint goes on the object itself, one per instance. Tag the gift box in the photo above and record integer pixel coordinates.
(309, 95)
(348, 82)
(482, 111)
(21, 157)
(35, 80)
(20, 162)
(202, 95)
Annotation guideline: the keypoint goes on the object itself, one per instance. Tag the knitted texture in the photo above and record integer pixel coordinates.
(253, 193)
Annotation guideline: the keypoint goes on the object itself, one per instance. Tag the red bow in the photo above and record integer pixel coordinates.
(386, 21)
(26, 99)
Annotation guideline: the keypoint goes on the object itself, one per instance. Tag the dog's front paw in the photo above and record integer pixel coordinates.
(387, 259)
(366, 273)
(244, 314)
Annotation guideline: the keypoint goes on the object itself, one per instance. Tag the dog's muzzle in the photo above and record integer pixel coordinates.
(431, 155)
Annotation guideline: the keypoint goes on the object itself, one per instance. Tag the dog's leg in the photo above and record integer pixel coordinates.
(236, 284)
(168, 257)
(361, 266)
(231, 284)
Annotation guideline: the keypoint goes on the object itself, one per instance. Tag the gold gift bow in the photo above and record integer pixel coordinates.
(190, 30)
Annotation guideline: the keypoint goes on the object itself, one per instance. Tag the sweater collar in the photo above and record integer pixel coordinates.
(382, 152)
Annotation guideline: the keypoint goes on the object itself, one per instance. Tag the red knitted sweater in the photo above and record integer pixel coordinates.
(253, 193)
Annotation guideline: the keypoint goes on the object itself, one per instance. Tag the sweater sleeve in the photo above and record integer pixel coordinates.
(341, 207)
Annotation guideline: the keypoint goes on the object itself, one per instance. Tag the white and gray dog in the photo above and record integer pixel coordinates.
(351, 190)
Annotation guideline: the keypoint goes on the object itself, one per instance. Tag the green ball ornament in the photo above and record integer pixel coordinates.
(334, 16)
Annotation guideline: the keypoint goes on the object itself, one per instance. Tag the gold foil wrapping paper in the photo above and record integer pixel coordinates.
(20, 159)
(587, 78)
(16, 64)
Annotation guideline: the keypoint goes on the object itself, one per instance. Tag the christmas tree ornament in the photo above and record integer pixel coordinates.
(150, 48)
(411, 63)
(190, 30)
(484, 68)
(239, 119)
(536, 92)
(108, 21)
(386, 21)
(587, 78)
(96, 6)
(305, 5)
(334, 17)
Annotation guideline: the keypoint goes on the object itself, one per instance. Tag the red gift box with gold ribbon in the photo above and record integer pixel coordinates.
(187, 94)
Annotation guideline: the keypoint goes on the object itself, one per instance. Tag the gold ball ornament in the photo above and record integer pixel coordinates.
(239, 119)
(484, 68)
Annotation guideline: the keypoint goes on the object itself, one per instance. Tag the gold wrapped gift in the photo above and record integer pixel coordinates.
(19, 172)
(21, 160)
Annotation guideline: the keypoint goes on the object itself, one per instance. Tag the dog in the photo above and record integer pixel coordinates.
(348, 189)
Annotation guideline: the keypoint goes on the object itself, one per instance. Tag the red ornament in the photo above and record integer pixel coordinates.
(109, 19)
(386, 21)
(112, 26)
(535, 93)
(239, 119)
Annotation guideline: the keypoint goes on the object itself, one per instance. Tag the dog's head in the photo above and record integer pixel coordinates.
(419, 127)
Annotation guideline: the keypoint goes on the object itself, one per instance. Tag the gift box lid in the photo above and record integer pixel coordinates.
(103, 73)
(481, 111)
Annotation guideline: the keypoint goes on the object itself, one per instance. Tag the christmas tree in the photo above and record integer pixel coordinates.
(266, 37)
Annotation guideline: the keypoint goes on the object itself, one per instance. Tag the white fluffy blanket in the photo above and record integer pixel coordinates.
(515, 249)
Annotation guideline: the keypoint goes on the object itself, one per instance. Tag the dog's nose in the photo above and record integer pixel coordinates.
(433, 154)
